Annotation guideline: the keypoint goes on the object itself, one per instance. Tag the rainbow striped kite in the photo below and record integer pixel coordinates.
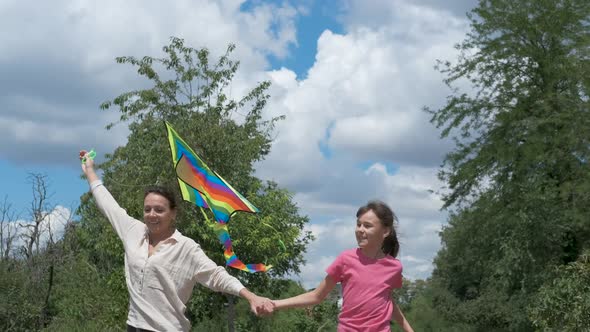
(205, 188)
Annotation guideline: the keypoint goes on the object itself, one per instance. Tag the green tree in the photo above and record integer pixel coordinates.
(416, 300)
(563, 304)
(519, 175)
(405, 296)
(191, 93)
(30, 274)
(83, 300)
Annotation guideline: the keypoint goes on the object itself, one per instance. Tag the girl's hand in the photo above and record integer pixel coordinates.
(266, 307)
(261, 306)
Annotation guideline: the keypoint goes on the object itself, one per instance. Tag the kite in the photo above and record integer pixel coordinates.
(207, 189)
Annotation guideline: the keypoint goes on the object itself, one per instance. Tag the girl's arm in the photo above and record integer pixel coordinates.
(310, 298)
(399, 318)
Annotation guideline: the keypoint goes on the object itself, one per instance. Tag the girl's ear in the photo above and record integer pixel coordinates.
(387, 232)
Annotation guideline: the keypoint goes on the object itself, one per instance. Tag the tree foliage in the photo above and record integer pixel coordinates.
(416, 300)
(519, 176)
(563, 303)
(33, 254)
(77, 282)
(191, 92)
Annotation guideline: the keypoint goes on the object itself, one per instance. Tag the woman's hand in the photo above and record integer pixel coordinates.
(88, 166)
(260, 306)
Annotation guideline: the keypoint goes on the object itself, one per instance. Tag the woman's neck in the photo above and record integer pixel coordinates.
(159, 237)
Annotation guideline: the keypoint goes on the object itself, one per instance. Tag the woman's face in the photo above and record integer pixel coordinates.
(157, 214)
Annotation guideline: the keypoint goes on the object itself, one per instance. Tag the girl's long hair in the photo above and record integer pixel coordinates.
(387, 218)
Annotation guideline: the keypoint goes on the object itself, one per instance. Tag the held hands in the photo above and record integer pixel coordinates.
(262, 306)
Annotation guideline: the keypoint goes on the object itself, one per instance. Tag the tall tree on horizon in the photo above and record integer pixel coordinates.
(518, 178)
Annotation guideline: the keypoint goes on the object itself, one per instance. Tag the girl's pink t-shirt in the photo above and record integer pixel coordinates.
(366, 290)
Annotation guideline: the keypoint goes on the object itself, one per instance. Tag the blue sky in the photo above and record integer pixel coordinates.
(64, 186)
(319, 17)
(351, 76)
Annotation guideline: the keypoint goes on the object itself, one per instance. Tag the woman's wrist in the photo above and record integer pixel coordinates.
(246, 294)
(91, 175)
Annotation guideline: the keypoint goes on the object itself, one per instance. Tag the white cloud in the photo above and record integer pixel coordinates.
(60, 65)
(358, 109)
(52, 227)
(362, 101)
(314, 271)
(364, 95)
(98, 31)
(411, 15)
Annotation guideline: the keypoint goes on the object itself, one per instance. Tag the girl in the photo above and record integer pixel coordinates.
(368, 274)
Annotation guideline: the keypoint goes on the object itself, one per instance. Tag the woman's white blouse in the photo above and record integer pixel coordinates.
(160, 285)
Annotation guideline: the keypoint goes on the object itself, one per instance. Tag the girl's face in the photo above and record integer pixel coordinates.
(370, 232)
(157, 215)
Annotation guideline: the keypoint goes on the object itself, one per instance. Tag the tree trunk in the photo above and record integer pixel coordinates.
(231, 313)
(45, 311)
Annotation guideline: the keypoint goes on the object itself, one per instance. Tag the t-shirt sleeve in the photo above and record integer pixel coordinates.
(336, 269)
(397, 277)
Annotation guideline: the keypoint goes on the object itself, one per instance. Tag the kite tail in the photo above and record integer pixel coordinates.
(230, 257)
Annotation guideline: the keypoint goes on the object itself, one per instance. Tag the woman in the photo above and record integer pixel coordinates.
(162, 265)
